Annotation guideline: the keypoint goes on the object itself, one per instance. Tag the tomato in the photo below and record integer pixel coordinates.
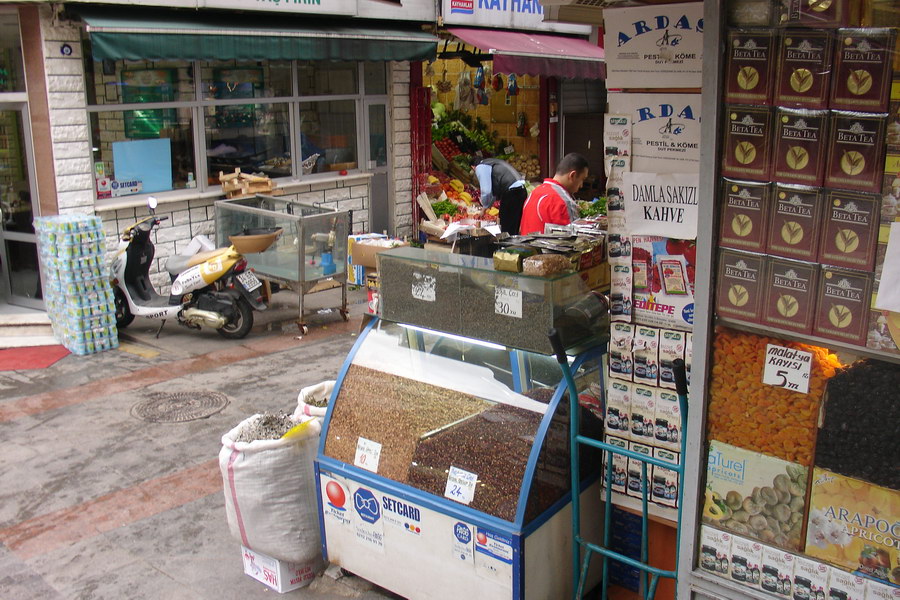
(343, 171)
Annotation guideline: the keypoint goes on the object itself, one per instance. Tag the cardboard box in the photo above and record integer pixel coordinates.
(740, 291)
(356, 272)
(810, 578)
(851, 229)
(862, 69)
(756, 487)
(281, 576)
(745, 209)
(364, 252)
(795, 222)
(750, 66)
(804, 68)
(800, 149)
(715, 550)
(854, 524)
(747, 145)
(856, 151)
(791, 288)
(842, 305)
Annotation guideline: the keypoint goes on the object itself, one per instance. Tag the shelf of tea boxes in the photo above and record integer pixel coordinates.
(803, 338)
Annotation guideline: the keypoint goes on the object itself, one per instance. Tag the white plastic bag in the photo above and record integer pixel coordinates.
(270, 493)
(321, 392)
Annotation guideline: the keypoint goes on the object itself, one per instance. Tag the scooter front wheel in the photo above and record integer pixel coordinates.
(240, 324)
(123, 313)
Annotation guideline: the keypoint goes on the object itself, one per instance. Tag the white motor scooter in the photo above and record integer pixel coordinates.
(211, 287)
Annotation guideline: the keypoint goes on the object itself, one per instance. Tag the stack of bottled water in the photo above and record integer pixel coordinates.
(77, 292)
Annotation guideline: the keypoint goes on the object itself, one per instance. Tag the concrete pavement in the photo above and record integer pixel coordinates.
(97, 504)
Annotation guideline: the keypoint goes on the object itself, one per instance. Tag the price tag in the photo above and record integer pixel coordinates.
(508, 302)
(509, 149)
(460, 485)
(787, 368)
(368, 454)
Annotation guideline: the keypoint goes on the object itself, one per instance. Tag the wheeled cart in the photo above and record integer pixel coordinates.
(443, 467)
(309, 257)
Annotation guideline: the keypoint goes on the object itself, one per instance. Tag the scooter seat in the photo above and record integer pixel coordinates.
(180, 263)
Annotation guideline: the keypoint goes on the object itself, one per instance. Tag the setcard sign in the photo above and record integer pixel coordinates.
(661, 204)
(665, 130)
(657, 46)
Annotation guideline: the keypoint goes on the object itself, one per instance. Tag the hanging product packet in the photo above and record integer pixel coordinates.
(646, 355)
(621, 342)
(643, 413)
(671, 348)
(620, 297)
(618, 409)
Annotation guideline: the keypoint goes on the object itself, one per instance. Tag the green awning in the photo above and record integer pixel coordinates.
(204, 35)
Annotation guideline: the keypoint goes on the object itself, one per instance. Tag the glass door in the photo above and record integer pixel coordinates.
(378, 164)
(20, 281)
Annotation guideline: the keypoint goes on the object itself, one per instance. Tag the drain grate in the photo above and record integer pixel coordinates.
(179, 407)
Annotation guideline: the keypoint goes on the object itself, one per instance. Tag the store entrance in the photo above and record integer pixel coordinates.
(20, 282)
(377, 150)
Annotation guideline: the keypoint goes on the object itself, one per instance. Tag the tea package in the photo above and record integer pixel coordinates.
(842, 305)
(795, 222)
(747, 144)
(863, 69)
(739, 294)
(621, 360)
(790, 294)
(646, 355)
(828, 13)
(664, 487)
(800, 149)
(643, 413)
(851, 229)
(750, 13)
(618, 409)
(749, 68)
(636, 482)
(804, 68)
(856, 151)
(745, 209)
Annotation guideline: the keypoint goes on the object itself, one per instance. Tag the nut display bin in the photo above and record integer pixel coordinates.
(443, 466)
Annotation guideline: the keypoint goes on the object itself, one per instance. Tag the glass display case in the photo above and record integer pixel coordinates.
(443, 466)
(309, 256)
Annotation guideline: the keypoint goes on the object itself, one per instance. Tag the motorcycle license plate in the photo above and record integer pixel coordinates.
(248, 280)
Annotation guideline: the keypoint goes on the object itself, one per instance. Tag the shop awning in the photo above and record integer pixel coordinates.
(203, 35)
(537, 54)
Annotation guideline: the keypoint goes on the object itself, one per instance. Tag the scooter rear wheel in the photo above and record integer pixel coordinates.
(241, 324)
(123, 313)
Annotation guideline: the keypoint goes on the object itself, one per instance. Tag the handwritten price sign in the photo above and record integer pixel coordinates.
(368, 453)
(460, 485)
(508, 302)
(787, 368)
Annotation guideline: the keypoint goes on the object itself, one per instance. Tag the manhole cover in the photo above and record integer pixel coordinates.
(179, 407)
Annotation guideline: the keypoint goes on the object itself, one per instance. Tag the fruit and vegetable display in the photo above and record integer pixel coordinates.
(745, 412)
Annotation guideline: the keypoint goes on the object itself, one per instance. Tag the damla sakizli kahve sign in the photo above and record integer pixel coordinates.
(657, 46)
(662, 204)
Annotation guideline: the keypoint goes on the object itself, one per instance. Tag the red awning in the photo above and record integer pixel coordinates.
(537, 54)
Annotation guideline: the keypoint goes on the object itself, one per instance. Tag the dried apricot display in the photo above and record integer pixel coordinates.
(745, 412)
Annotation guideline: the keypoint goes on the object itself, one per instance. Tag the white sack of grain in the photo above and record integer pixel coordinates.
(270, 492)
(313, 400)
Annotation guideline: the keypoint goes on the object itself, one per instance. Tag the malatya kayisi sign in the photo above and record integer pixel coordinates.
(661, 204)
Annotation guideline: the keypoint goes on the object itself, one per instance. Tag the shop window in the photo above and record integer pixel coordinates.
(328, 78)
(251, 137)
(328, 129)
(375, 78)
(225, 80)
(142, 151)
(12, 71)
(138, 81)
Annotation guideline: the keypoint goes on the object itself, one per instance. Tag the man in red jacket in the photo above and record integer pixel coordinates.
(552, 202)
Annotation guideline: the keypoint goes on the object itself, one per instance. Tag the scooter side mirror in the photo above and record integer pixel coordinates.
(152, 203)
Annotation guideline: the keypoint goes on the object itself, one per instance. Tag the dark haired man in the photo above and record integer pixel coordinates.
(552, 201)
(499, 180)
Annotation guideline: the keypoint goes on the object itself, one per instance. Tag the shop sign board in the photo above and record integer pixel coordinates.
(657, 46)
(505, 14)
(411, 10)
(665, 131)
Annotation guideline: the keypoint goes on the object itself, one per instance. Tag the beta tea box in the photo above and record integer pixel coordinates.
(745, 208)
(748, 142)
(856, 151)
(635, 483)
(795, 222)
(750, 66)
(810, 578)
(842, 305)
(664, 489)
(790, 294)
(777, 571)
(715, 550)
(620, 464)
(804, 68)
(800, 150)
(746, 561)
(836, 13)
(740, 292)
(850, 233)
(862, 69)
(846, 586)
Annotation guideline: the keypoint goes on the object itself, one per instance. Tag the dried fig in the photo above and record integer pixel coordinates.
(758, 523)
(767, 535)
(741, 515)
(733, 499)
(751, 507)
(784, 496)
(736, 526)
(796, 490)
(782, 512)
(782, 482)
(768, 495)
(797, 504)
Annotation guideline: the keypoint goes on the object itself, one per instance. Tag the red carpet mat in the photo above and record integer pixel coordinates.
(30, 357)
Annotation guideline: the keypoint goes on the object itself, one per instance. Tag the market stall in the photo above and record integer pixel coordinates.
(443, 465)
